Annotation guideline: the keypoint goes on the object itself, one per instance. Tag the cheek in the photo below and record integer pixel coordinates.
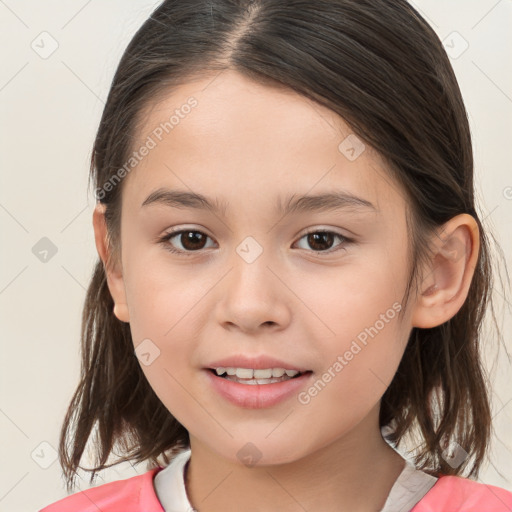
(356, 300)
(160, 327)
(164, 308)
(362, 336)
(357, 371)
(162, 299)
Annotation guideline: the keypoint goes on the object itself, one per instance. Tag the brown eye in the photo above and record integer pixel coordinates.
(190, 241)
(322, 241)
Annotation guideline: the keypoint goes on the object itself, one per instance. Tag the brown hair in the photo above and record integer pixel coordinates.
(381, 67)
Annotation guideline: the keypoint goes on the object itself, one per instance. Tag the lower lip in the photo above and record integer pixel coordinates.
(257, 396)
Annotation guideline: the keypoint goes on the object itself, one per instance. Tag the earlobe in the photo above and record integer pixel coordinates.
(112, 268)
(121, 312)
(447, 279)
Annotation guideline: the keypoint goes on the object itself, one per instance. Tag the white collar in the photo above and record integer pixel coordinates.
(408, 489)
(170, 485)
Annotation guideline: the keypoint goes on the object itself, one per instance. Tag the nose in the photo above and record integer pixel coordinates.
(253, 296)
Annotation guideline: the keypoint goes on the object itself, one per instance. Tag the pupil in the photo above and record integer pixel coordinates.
(313, 239)
(189, 240)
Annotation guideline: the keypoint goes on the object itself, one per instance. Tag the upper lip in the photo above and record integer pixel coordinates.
(257, 363)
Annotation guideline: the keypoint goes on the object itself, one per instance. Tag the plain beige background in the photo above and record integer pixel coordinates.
(58, 59)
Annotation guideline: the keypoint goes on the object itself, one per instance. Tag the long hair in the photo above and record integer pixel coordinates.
(382, 68)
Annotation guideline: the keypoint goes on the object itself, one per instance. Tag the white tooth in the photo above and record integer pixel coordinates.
(266, 381)
(263, 374)
(249, 373)
(252, 382)
(244, 373)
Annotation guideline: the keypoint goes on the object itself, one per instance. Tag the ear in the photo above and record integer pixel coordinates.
(112, 267)
(447, 278)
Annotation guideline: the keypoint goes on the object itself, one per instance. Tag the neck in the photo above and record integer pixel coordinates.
(354, 473)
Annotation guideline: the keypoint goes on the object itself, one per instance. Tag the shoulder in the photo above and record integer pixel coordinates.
(135, 494)
(457, 494)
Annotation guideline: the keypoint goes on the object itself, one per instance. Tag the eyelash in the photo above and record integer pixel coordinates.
(165, 239)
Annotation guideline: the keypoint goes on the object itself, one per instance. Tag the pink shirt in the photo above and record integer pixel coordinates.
(137, 494)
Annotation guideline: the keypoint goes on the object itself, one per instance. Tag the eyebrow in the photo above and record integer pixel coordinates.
(328, 201)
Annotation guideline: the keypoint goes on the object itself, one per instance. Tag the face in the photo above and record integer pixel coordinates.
(316, 288)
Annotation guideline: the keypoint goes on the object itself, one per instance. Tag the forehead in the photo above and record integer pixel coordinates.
(228, 133)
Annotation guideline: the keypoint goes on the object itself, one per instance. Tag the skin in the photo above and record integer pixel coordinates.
(247, 144)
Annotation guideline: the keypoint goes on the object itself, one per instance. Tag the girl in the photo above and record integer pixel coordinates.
(293, 276)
